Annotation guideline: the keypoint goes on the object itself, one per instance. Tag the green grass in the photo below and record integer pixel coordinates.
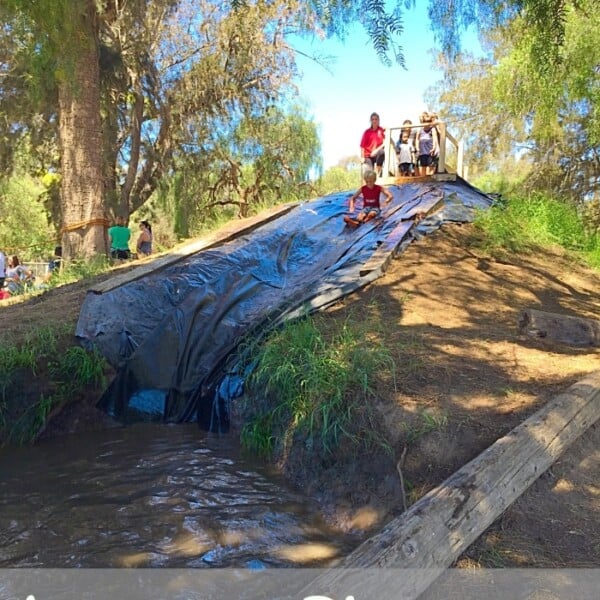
(428, 422)
(527, 223)
(317, 385)
(63, 371)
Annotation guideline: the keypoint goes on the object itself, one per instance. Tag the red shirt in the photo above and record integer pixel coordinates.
(371, 139)
(371, 196)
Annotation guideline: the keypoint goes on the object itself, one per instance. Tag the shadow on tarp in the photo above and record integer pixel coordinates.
(169, 334)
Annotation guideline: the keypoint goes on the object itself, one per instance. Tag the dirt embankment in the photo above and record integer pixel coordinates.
(464, 378)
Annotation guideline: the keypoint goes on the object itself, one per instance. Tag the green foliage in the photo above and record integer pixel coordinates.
(428, 422)
(317, 385)
(528, 223)
(264, 160)
(77, 367)
(77, 270)
(512, 113)
(338, 179)
(24, 228)
(68, 374)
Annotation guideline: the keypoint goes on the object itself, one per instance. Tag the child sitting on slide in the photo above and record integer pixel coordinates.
(371, 206)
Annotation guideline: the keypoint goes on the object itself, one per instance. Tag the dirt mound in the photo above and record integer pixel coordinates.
(465, 377)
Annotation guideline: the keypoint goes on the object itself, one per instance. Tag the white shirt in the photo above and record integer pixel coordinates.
(2, 265)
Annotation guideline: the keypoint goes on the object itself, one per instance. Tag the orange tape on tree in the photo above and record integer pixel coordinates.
(82, 224)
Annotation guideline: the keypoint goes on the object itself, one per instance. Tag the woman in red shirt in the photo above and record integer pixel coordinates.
(372, 146)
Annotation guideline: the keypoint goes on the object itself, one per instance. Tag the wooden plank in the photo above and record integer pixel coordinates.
(452, 139)
(437, 529)
(442, 143)
(444, 176)
(575, 331)
(425, 203)
(428, 202)
(460, 152)
(382, 256)
(228, 232)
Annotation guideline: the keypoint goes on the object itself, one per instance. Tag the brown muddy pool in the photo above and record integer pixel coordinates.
(154, 496)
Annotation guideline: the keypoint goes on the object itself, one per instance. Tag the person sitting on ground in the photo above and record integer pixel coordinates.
(18, 277)
(372, 146)
(144, 241)
(370, 193)
(119, 236)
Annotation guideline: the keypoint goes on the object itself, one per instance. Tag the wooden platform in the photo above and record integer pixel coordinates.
(420, 179)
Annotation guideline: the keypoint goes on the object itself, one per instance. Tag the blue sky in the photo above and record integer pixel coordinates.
(341, 102)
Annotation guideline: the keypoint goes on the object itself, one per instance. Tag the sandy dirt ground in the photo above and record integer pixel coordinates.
(466, 377)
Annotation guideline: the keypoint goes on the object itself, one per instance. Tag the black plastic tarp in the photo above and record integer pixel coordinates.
(170, 332)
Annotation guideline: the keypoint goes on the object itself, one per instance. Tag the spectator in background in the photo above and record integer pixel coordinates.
(119, 236)
(372, 146)
(2, 269)
(18, 276)
(144, 241)
(54, 264)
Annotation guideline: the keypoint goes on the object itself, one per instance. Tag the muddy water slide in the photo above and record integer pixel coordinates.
(170, 332)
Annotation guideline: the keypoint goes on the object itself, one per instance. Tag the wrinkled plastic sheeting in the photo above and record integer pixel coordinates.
(169, 333)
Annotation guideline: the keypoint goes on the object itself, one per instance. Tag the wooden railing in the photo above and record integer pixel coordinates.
(445, 165)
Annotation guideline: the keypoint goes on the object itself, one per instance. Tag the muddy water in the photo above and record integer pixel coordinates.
(153, 496)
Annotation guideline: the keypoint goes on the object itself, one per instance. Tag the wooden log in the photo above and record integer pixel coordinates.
(434, 531)
(575, 331)
(230, 231)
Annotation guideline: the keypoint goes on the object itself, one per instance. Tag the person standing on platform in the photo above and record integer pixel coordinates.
(372, 146)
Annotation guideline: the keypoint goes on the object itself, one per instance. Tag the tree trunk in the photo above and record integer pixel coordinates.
(83, 218)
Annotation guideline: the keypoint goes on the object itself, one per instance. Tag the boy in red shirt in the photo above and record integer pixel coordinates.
(371, 206)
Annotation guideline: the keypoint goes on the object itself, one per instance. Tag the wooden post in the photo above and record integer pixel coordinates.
(442, 141)
(459, 158)
(385, 172)
(438, 528)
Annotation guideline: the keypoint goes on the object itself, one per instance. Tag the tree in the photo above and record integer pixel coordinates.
(266, 158)
(506, 107)
(78, 37)
(63, 35)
